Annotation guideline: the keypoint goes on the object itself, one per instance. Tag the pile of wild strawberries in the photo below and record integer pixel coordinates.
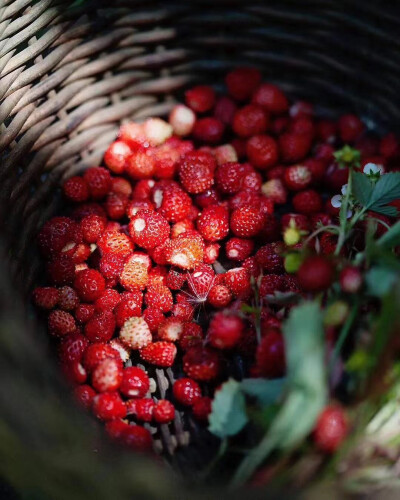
(161, 249)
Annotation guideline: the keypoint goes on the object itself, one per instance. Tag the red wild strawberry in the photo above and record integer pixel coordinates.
(225, 110)
(130, 305)
(270, 284)
(158, 276)
(192, 335)
(207, 198)
(170, 329)
(331, 429)
(89, 285)
(315, 274)
(67, 298)
(140, 165)
(116, 428)
(154, 318)
(159, 353)
(225, 330)
(157, 131)
(294, 147)
(208, 130)
(246, 222)
(241, 82)
(172, 202)
(202, 408)
(108, 300)
(99, 182)
(317, 169)
(350, 128)
(195, 176)
(92, 227)
(297, 221)
(350, 279)
(84, 395)
(115, 205)
(137, 438)
(270, 355)
(389, 147)
(238, 281)
(109, 406)
(134, 275)
(219, 296)
(269, 259)
(74, 372)
(297, 177)
(116, 156)
(164, 412)
(96, 353)
(262, 151)
(252, 267)
(186, 391)
(107, 376)
(201, 363)
(291, 284)
(328, 243)
(200, 98)
(88, 208)
(61, 323)
(239, 248)
(135, 382)
(211, 252)
(159, 297)
(135, 333)
(320, 219)
(148, 229)
(115, 243)
(175, 279)
(143, 409)
(100, 327)
(213, 223)
(72, 347)
(301, 109)
(123, 351)
(111, 265)
(307, 202)
(279, 125)
(229, 177)
(181, 227)
(250, 120)
(200, 282)
(55, 234)
(45, 297)
(84, 312)
(121, 186)
(186, 251)
(75, 189)
(271, 98)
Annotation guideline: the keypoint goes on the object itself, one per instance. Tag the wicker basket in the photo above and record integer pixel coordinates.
(70, 74)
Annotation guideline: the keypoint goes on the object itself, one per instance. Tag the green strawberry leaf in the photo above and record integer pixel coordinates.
(391, 238)
(380, 280)
(362, 188)
(387, 189)
(267, 392)
(228, 415)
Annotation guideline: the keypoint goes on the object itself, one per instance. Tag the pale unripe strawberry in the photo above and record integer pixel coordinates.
(135, 333)
(157, 131)
(225, 154)
(182, 120)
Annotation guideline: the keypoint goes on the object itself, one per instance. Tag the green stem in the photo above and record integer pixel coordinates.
(343, 215)
(343, 335)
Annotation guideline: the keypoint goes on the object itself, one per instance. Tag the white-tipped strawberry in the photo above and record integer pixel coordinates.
(225, 154)
(170, 329)
(135, 333)
(143, 258)
(123, 350)
(200, 282)
(157, 131)
(275, 190)
(182, 120)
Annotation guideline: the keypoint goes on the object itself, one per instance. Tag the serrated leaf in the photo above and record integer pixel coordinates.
(380, 280)
(266, 391)
(386, 190)
(362, 187)
(391, 238)
(385, 210)
(228, 415)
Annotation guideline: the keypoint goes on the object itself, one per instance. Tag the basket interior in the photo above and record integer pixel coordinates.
(72, 72)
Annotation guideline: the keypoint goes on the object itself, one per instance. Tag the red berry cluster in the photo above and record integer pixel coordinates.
(162, 246)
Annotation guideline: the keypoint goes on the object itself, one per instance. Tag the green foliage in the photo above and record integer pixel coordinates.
(306, 387)
(380, 280)
(376, 197)
(228, 415)
(347, 157)
(266, 392)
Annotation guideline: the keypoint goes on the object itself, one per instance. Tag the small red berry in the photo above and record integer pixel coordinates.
(72, 347)
(201, 363)
(89, 285)
(45, 297)
(100, 327)
(307, 202)
(202, 408)
(109, 406)
(138, 438)
(186, 391)
(135, 382)
(61, 323)
(213, 223)
(208, 130)
(191, 336)
(271, 98)
(107, 376)
(225, 330)
(164, 412)
(76, 189)
(331, 429)
(84, 395)
(99, 182)
(270, 355)
(315, 274)
(135, 333)
(350, 128)
(350, 279)
(246, 222)
(241, 82)
(116, 156)
(159, 353)
(297, 177)
(250, 120)
(143, 409)
(262, 151)
(200, 98)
